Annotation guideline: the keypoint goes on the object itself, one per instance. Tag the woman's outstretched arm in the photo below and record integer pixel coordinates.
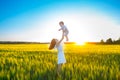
(61, 39)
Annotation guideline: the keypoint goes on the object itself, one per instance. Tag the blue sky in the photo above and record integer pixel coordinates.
(37, 20)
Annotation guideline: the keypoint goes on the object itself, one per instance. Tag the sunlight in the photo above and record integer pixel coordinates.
(82, 27)
(80, 43)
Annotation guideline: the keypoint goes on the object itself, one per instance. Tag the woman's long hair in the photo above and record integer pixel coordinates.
(52, 44)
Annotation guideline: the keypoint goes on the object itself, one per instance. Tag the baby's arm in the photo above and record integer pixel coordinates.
(60, 29)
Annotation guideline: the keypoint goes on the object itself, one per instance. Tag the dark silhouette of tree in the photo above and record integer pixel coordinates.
(117, 41)
(102, 41)
(109, 41)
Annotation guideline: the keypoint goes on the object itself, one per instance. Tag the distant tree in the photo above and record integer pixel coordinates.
(102, 41)
(109, 41)
(117, 41)
(114, 41)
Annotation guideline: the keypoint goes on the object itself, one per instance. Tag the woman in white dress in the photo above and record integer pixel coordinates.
(55, 43)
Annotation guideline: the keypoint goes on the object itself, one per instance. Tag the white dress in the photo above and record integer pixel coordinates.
(61, 57)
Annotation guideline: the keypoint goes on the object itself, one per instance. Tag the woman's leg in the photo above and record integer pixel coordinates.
(59, 68)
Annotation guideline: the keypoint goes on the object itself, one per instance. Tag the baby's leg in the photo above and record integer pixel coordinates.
(67, 39)
(66, 36)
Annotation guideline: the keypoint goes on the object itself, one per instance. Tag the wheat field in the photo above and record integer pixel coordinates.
(36, 62)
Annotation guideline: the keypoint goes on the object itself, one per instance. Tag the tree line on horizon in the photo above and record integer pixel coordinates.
(110, 41)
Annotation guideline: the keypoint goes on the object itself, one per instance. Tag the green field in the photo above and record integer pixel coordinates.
(36, 62)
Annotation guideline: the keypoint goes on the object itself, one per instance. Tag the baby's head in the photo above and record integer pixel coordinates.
(61, 23)
(52, 44)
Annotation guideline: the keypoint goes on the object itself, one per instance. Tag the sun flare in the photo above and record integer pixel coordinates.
(80, 43)
(82, 27)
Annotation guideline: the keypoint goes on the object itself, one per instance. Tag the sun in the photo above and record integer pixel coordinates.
(80, 43)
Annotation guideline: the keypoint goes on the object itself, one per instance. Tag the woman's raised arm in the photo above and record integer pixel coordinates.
(60, 39)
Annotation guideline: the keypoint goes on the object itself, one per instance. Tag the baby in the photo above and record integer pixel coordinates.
(64, 29)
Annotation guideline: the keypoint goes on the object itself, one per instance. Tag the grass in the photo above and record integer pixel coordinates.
(36, 62)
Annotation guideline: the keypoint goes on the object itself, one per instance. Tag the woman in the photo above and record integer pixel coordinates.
(59, 45)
